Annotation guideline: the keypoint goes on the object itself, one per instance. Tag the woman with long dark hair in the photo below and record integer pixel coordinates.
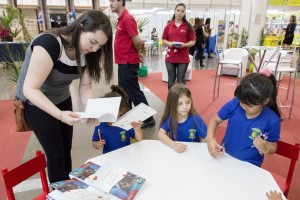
(289, 31)
(200, 40)
(53, 60)
(178, 36)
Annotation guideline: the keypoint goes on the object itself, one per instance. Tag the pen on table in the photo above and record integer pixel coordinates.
(99, 135)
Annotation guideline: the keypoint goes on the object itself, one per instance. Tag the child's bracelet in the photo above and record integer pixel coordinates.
(267, 151)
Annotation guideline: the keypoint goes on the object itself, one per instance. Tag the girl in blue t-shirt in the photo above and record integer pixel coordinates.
(253, 120)
(108, 137)
(180, 121)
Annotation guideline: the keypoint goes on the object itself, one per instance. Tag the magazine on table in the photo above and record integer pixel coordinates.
(74, 189)
(113, 180)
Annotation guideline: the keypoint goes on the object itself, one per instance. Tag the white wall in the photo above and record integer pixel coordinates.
(246, 9)
(257, 20)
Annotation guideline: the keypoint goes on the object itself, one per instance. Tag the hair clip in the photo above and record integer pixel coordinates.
(265, 72)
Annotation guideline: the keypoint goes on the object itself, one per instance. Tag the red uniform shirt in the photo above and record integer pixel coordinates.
(180, 34)
(123, 46)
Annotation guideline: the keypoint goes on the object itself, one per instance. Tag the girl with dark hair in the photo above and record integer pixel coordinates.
(180, 121)
(178, 36)
(52, 61)
(253, 120)
(109, 137)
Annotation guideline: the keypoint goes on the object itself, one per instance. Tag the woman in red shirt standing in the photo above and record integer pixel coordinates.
(178, 36)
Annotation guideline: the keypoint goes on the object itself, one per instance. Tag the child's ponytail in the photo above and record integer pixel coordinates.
(273, 99)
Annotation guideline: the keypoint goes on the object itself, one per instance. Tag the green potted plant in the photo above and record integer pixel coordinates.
(7, 18)
(262, 36)
(244, 38)
(11, 67)
(12, 54)
(26, 35)
(140, 22)
(233, 37)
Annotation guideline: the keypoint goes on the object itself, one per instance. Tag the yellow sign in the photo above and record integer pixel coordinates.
(284, 3)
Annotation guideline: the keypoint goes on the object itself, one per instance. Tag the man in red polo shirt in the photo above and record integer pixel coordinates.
(127, 48)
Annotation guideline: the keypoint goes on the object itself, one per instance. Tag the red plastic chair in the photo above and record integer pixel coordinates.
(292, 152)
(19, 174)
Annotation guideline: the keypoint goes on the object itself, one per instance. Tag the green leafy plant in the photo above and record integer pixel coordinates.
(244, 38)
(8, 16)
(14, 33)
(12, 70)
(262, 36)
(252, 53)
(233, 37)
(141, 22)
(26, 35)
(12, 63)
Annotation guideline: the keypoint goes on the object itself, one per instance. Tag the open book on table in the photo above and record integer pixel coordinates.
(103, 109)
(108, 179)
(74, 189)
(138, 113)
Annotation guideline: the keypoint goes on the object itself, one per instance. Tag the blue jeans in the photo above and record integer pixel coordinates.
(176, 71)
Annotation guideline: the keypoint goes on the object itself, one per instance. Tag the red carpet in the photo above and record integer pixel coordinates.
(202, 85)
(13, 144)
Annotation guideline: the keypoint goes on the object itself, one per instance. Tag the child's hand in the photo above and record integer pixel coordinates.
(274, 195)
(261, 144)
(92, 122)
(136, 125)
(214, 148)
(100, 144)
(179, 147)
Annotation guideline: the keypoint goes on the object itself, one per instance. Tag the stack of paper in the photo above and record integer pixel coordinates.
(103, 109)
